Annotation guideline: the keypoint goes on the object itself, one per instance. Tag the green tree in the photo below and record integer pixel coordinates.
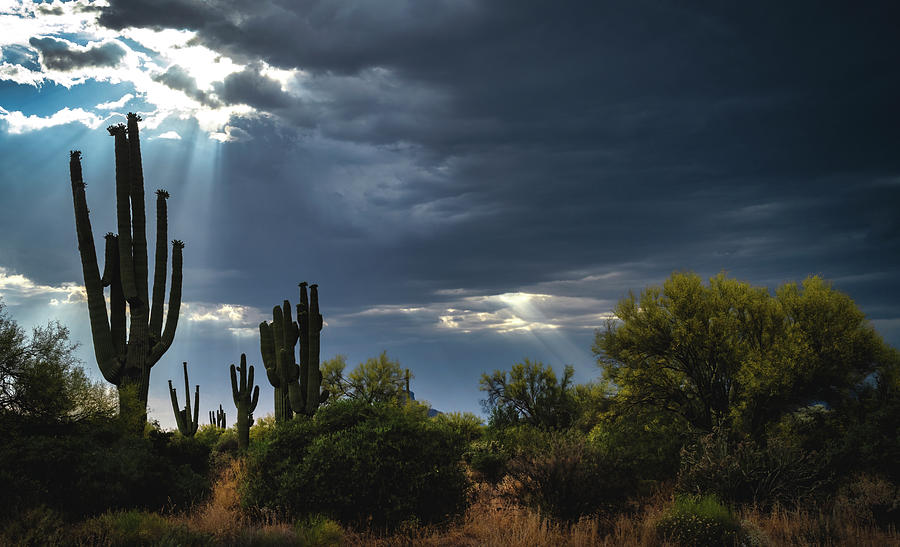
(731, 354)
(530, 393)
(41, 379)
(379, 379)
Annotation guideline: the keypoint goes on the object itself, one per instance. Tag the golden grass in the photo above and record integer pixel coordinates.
(494, 520)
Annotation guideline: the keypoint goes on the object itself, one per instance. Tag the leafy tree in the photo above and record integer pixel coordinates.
(730, 354)
(41, 379)
(529, 393)
(377, 380)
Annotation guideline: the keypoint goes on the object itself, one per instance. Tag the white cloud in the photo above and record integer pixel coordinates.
(27, 20)
(16, 287)
(20, 123)
(115, 104)
(171, 135)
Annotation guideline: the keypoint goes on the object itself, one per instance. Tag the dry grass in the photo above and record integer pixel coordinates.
(221, 517)
(494, 520)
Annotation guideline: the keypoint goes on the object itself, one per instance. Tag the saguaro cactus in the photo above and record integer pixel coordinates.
(245, 403)
(186, 424)
(297, 387)
(126, 362)
(217, 417)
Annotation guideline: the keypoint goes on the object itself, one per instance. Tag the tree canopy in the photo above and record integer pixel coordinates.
(731, 354)
(530, 393)
(378, 379)
(41, 379)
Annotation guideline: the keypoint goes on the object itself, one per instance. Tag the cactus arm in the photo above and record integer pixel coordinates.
(104, 349)
(179, 416)
(113, 280)
(315, 329)
(159, 268)
(187, 395)
(196, 422)
(168, 334)
(303, 323)
(235, 392)
(267, 349)
(123, 212)
(255, 398)
(138, 214)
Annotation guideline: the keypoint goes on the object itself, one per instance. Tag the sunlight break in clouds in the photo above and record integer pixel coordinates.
(507, 313)
(62, 43)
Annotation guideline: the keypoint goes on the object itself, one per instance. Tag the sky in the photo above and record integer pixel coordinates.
(469, 182)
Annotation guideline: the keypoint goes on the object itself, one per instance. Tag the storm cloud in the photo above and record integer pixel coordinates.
(65, 56)
(449, 166)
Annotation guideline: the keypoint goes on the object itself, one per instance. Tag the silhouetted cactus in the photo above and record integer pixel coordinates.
(126, 362)
(217, 417)
(186, 424)
(297, 387)
(245, 403)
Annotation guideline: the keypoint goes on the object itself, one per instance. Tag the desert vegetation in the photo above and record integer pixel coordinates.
(723, 414)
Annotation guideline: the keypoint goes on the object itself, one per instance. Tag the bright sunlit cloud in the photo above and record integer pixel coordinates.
(19, 123)
(15, 286)
(62, 43)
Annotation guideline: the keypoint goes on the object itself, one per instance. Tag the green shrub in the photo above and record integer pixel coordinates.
(137, 528)
(695, 520)
(318, 531)
(208, 435)
(747, 473)
(35, 526)
(568, 479)
(464, 424)
(489, 459)
(88, 469)
(372, 465)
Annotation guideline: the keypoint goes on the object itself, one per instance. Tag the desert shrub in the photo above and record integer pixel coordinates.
(569, 479)
(464, 424)
(746, 473)
(137, 528)
(649, 441)
(317, 530)
(208, 435)
(694, 520)
(90, 468)
(487, 458)
(262, 427)
(359, 464)
(35, 526)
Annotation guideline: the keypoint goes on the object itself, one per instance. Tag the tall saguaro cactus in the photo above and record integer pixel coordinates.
(186, 425)
(297, 387)
(245, 403)
(125, 361)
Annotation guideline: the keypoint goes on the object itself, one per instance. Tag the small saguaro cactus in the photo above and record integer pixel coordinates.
(297, 387)
(186, 425)
(245, 403)
(217, 417)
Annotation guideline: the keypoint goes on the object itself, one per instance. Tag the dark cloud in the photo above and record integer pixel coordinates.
(60, 55)
(176, 77)
(44, 9)
(250, 87)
